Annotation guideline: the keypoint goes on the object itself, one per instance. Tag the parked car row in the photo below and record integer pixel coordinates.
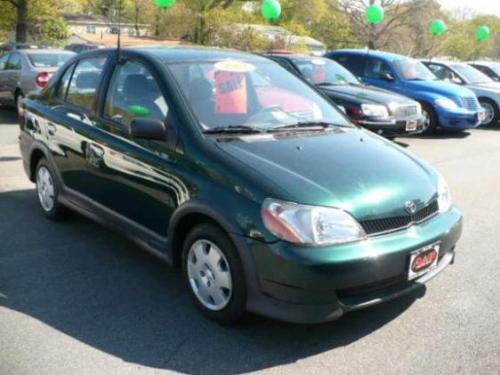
(247, 177)
(27, 71)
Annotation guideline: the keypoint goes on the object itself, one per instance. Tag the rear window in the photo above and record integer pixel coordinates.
(48, 60)
(355, 64)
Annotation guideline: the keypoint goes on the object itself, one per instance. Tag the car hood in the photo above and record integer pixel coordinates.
(349, 168)
(364, 94)
(440, 87)
(487, 87)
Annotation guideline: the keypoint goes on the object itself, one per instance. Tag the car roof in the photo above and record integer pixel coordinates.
(178, 53)
(184, 53)
(442, 62)
(291, 55)
(375, 53)
(485, 63)
(44, 51)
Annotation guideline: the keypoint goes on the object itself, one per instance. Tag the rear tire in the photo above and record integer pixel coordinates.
(431, 119)
(48, 192)
(19, 98)
(492, 111)
(214, 274)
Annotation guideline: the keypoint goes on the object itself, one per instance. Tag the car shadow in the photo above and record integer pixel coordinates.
(9, 158)
(441, 134)
(91, 284)
(8, 116)
(490, 127)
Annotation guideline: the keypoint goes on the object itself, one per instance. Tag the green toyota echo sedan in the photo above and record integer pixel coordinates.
(230, 167)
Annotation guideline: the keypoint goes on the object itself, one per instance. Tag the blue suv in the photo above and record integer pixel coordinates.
(444, 104)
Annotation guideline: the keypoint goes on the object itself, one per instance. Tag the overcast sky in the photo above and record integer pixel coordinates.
(479, 6)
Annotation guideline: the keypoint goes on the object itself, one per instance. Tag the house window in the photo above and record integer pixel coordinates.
(90, 29)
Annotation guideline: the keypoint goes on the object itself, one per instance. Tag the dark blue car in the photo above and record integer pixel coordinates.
(444, 104)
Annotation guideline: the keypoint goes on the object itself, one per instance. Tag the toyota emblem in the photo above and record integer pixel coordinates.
(411, 207)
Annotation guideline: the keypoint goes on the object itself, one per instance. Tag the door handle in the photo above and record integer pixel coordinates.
(51, 128)
(94, 155)
(80, 117)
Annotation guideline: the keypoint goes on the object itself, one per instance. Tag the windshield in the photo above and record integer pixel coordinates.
(495, 68)
(324, 71)
(253, 94)
(413, 70)
(48, 60)
(471, 75)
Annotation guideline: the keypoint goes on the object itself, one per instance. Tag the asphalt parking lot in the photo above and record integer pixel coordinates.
(76, 298)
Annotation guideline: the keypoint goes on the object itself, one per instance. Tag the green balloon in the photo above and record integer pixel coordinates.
(164, 3)
(139, 110)
(271, 10)
(438, 27)
(375, 14)
(483, 33)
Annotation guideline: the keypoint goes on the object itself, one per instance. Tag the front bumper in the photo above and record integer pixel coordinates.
(460, 119)
(312, 285)
(393, 126)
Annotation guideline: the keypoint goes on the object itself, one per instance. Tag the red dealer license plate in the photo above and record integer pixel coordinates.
(423, 260)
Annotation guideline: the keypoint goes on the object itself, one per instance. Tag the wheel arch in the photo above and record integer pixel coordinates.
(36, 155)
(191, 214)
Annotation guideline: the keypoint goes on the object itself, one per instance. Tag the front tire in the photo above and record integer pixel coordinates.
(48, 192)
(214, 274)
(19, 101)
(431, 119)
(492, 111)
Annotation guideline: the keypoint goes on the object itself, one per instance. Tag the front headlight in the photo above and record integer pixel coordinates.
(309, 225)
(374, 110)
(419, 108)
(446, 103)
(444, 197)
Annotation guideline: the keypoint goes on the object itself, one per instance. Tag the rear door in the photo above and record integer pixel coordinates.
(11, 76)
(71, 120)
(3, 78)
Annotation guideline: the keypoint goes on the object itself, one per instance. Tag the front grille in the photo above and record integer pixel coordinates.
(405, 110)
(399, 222)
(470, 103)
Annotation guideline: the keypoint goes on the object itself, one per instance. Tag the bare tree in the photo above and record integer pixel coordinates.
(398, 14)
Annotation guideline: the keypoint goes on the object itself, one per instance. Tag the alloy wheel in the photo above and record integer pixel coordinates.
(45, 189)
(427, 119)
(209, 275)
(490, 113)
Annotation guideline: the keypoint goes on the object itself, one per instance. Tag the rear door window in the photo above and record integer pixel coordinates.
(82, 90)
(62, 86)
(14, 62)
(356, 64)
(3, 61)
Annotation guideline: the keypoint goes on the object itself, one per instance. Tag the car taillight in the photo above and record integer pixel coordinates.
(42, 79)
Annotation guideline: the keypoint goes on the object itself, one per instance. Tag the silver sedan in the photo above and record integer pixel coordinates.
(25, 72)
(486, 90)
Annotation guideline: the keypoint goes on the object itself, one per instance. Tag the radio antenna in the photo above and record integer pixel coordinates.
(119, 41)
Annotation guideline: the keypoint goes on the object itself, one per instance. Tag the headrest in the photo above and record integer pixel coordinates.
(87, 80)
(137, 86)
(200, 89)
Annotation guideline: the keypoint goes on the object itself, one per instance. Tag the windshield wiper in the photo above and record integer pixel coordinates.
(308, 125)
(330, 83)
(241, 129)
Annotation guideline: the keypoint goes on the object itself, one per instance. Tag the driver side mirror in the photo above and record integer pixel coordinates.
(148, 128)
